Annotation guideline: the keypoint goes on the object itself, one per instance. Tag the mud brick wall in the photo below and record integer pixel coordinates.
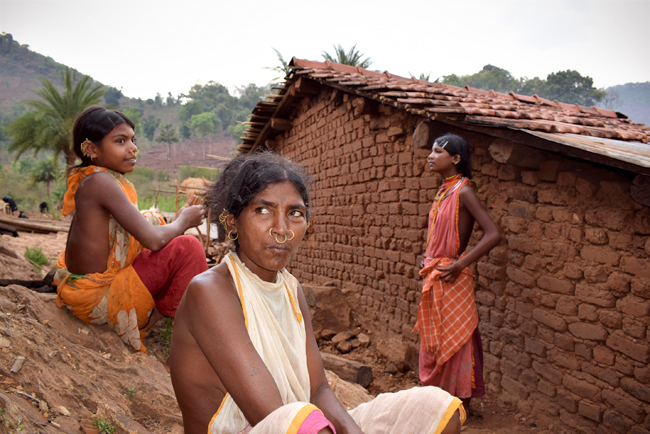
(563, 301)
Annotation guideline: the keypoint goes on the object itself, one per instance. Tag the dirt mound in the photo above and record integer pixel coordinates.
(73, 373)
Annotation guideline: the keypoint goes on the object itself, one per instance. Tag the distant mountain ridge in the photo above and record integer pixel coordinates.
(634, 101)
(21, 70)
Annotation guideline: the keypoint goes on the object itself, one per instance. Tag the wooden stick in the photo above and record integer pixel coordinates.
(218, 157)
(155, 201)
(26, 226)
(177, 193)
(208, 241)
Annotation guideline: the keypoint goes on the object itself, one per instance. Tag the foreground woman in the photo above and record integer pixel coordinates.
(243, 354)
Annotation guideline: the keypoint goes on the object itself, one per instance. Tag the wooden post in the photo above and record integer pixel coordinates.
(177, 188)
(155, 201)
(208, 241)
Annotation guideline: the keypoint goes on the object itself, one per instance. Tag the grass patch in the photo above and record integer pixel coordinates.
(166, 335)
(102, 426)
(36, 257)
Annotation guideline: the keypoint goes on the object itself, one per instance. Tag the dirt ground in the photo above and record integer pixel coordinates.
(82, 370)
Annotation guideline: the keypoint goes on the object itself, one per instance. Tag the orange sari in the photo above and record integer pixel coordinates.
(117, 296)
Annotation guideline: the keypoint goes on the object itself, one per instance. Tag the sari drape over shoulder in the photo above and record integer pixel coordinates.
(116, 296)
(277, 330)
(447, 315)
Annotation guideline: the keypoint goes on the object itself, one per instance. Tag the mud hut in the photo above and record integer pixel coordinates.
(563, 301)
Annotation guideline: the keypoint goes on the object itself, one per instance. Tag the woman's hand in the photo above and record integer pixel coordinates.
(194, 200)
(451, 271)
(422, 262)
(191, 215)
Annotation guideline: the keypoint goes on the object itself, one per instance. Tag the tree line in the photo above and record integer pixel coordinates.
(209, 110)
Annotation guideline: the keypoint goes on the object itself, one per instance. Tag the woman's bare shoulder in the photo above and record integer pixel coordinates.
(216, 280)
(98, 182)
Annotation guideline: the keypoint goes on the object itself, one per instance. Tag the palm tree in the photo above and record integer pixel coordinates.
(282, 68)
(352, 57)
(44, 171)
(49, 124)
(168, 135)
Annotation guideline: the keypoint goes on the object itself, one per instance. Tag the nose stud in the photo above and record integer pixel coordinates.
(286, 236)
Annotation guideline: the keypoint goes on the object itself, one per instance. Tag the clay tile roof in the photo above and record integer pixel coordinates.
(438, 101)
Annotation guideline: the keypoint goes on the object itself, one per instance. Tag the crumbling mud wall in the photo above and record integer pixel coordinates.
(563, 301)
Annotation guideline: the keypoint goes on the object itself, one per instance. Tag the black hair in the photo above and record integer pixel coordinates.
(94, 123)
(457, 145)
(246, 176)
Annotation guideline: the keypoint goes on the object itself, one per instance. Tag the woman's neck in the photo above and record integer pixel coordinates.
(448, 174)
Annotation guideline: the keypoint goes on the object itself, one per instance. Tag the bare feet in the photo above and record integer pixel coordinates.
(153, 319)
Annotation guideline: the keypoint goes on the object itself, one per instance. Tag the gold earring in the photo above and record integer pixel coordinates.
(84, 148)
(456, 163)
(230, 236)
(222, 219)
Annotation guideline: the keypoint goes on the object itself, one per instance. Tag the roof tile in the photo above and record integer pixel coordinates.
(469, 104)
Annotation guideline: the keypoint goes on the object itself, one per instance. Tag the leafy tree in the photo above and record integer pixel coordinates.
(214, 97)
(49, 124)
(190, 109)
(149, 126)
(44, 171)
(612, 100)
(25, 165)
(170, 101)
(167, 135)
(352, 57)
(565, 86)
(569, 86)
(205, 125)
(135, 114)
(158, 101)
(112, 96)
(490, 77)
(236, 131)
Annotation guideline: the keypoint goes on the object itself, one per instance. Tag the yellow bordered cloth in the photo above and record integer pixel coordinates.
(277, 332)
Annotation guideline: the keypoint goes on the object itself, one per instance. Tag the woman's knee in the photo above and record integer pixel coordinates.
(188, 243)
(454, 425)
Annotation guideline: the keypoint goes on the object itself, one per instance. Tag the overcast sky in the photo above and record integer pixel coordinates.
(145, 46)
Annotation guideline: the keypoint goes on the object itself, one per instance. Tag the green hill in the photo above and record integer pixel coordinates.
(207, 112)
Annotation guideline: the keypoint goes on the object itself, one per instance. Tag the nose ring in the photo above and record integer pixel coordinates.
(286, 236)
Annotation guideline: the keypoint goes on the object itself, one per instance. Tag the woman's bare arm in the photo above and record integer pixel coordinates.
(102, 190)
(217, 324)
(321, 394)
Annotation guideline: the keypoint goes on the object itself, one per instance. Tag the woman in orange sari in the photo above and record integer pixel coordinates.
(451, 354)
(120, 266)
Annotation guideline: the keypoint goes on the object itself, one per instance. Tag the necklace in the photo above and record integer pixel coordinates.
(449, 186)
